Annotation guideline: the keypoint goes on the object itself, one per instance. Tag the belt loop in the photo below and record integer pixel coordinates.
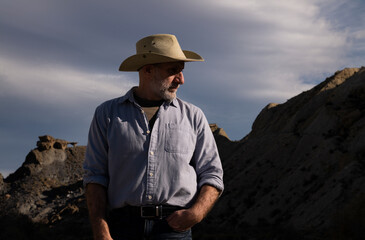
(157, 211)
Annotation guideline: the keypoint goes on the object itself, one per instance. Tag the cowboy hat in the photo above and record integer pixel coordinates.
(159, 48)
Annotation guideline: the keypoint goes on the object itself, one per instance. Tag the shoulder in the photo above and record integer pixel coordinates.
(191, 112)
(187, 106)
(107, 106)
(112, 104)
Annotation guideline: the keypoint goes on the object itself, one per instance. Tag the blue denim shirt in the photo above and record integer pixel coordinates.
(140, 166)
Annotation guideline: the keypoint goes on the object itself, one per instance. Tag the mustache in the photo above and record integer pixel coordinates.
(174, 85)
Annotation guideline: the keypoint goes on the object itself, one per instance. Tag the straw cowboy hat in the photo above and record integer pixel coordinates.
(159, 48)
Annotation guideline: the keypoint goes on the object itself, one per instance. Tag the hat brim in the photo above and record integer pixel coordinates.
(135, 62)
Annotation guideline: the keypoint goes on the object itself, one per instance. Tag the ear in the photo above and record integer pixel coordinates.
(147, 68)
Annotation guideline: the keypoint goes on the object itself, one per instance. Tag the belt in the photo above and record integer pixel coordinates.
(148, 211)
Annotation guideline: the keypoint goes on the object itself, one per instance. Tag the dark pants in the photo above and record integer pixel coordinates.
(133, 227)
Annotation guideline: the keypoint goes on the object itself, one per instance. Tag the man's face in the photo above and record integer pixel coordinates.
(166, 79)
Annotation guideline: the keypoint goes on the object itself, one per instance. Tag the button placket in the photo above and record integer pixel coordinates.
(152, 159)
(151, 182)
(144, 118)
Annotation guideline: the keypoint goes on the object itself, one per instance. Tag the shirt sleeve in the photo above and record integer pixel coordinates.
(96, 157)
(206, 158)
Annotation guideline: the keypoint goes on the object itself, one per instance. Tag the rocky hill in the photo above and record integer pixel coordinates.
(44, 198)
(299, 174)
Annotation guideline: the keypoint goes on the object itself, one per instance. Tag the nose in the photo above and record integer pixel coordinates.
(179, 78)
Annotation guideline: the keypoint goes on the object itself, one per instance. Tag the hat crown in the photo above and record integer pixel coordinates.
(158, 48)
(162, 44)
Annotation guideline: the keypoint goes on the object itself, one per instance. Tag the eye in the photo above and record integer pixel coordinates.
(174, 71)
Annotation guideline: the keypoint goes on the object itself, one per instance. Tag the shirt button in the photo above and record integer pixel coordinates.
(152, 153)
(149, 197)
(151, 174)
(148, 131)
(142, 111)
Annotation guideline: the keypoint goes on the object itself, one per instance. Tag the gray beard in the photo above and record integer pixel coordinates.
(166, 95)
(164, 92)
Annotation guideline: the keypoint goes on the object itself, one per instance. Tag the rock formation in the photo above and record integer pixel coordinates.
(48, 142)
(299, 174)
(45, 188)
(301, 170)
(217, 131)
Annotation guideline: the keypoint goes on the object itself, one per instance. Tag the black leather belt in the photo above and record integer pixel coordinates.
(149, 211)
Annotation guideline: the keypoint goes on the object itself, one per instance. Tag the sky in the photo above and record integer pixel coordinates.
(59, 59)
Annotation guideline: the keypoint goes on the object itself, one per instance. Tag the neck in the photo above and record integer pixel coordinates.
(147, 103)
(147, 95)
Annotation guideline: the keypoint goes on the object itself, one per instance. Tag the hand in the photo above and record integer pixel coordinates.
(183, 220)
(102, 233)
(107, 237)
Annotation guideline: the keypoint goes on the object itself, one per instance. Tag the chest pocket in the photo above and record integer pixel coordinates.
(179, 138)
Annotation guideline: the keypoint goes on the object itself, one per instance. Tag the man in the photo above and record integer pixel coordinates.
(151, 158)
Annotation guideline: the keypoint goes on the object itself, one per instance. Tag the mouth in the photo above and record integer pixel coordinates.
(174, 88)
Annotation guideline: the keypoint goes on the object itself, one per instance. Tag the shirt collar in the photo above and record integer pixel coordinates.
(172, 103)
(128, 96)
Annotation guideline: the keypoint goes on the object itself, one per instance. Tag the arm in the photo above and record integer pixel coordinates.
(184, 219)
(209, 171)
(96, 203)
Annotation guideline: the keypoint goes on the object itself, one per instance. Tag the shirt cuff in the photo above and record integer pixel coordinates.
(214, 183)
(96, 179)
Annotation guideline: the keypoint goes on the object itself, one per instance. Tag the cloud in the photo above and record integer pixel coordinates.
(38, 98)
(257, 46)
(59, 59)
(274, 45)
(58, 84)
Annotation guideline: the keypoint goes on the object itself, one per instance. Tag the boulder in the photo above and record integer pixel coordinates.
(47, 142)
